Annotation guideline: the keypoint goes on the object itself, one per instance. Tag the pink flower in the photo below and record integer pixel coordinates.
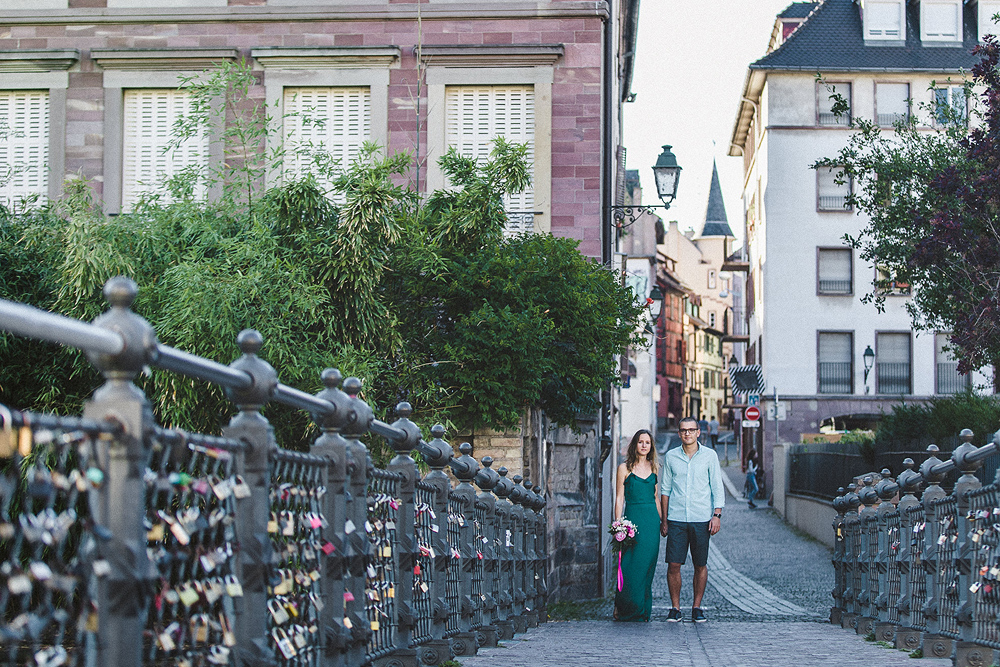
(631, 532)
(619, 536)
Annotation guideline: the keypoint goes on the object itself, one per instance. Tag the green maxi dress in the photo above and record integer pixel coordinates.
(634, 601)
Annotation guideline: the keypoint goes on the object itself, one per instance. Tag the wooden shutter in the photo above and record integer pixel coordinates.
(335, 120)
(24, 145)
(150, 115)
(475, 115)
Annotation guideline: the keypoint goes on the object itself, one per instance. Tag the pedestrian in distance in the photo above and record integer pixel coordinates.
(750, 488)
(637, 498)
(703, 426)
(713, 432)
(691, 502)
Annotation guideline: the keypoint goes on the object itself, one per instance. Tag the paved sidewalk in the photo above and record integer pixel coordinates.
(768, 601)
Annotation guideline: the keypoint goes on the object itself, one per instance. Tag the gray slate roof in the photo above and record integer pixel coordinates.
(832, 39)
(716, 222)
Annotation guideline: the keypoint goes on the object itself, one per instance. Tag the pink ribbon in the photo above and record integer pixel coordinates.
(621, 581)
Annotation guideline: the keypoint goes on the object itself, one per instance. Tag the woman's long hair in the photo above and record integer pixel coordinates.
(632, 455)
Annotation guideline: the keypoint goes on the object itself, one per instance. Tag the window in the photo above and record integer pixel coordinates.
(149, 116)
(950, 105)
(337, 120)
(892, 363)
(834, 362)
(892, 102)
(883, 20)
(832, 189)
(987, 10)
(888, 284)
(834, 271)
(475, 115)
(711, 279)
(24, 146)
(831, 98)
(941, 20)
(947, 379)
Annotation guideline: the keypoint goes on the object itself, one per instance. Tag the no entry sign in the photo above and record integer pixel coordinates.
(752, 413)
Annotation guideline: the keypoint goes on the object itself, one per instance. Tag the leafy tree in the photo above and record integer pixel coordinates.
(932, 196)
(431, 304)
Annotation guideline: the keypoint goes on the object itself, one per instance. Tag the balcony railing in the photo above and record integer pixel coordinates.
(949, 380)
(892, 378)
(835, 377)
(834, 286)
(833, 202)
(827, 118)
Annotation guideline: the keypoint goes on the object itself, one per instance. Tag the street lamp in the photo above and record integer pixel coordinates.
(733, 361)
(869, 357)
(655, 303)
(667, 173)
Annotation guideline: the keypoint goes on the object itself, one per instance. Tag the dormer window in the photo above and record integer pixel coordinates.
(941, 20)
(884, 20)
(987, 10)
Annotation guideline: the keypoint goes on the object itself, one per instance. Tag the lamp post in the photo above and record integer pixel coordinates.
(869, 358)
(667, 173)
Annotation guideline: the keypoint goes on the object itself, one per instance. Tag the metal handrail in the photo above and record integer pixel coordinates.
(32, 322)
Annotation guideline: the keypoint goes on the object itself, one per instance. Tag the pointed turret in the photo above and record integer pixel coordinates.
(716, 222)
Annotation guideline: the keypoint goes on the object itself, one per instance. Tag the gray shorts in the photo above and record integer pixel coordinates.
(682, 536)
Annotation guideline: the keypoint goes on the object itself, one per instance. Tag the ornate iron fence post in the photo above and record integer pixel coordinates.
(867, 556)
(357, 545)
(332, 446)
(541, 556)
(530, 557)
(934, 644)
(518, 496)
(463, 639)
(887, 563)
(253, 561)
(487, 526)
(121, 506)
(852, 547)
(910, 571)
(406, 541)
(505, 601)
(839, 583)
(966, 652)
(438, 453)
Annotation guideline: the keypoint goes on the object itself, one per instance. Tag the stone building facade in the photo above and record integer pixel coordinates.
(81, 81)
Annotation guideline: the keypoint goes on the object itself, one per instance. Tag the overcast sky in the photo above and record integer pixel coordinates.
(691, 60)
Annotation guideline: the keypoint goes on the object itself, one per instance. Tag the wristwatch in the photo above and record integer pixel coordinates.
(717, 515)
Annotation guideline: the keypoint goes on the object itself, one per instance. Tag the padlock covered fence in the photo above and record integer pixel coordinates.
(125, 543)
(917, 556)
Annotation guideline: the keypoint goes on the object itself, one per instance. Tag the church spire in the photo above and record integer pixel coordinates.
(716, 222)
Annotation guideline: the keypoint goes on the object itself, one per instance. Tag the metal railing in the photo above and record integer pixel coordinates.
(892, 378)
(835, 377)
(922, 570)
(123, 543)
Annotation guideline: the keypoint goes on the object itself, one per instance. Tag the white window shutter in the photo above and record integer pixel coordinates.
(475, 115)
(150, 115)
(24, 151)
(337, 120)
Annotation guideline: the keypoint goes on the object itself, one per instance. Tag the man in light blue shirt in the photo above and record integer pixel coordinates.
(691, 499)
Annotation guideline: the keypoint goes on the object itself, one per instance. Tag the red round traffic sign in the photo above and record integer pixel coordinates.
(752, 413)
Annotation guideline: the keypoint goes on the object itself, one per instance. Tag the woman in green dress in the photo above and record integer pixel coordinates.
(637, 498)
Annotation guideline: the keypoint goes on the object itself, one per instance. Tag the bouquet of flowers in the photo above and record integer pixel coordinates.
(622, 534)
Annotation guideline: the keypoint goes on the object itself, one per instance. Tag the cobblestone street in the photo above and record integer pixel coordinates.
(767, 602)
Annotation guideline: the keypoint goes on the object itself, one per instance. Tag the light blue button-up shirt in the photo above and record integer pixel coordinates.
(694, 485)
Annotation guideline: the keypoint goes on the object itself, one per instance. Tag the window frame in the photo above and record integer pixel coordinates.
(819, 385)
(850, 190)
(891, 290)
(909, 335)
(909, 101)
(823, 95)
(949, 89)
(985, 25)
(937, 368)
(900, 38)
(850, 252)
(468, 66)
(957, 7)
